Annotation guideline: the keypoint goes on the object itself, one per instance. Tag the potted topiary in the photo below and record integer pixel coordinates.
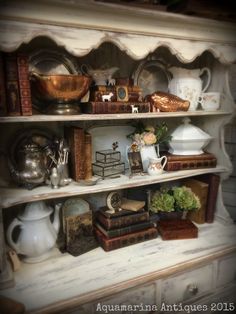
(174, 203)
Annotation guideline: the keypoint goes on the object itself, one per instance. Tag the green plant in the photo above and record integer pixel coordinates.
(185, 199)
(162, 201)
(175, 199)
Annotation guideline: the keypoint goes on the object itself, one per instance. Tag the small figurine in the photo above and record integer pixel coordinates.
(134, 109)
(115, 145)
(107, 97)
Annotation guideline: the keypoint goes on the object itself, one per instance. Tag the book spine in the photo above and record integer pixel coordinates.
(12, 87)
(126, 240)
(3, 104)
(126, 230)
(24, 85)
(75, 137)
(114, 107)
(120, 222)
(190, 164)
(214, 182)
(88, 157)
(204, 156)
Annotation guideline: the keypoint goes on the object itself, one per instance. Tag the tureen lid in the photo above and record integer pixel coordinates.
(187, 131)
(35, 210)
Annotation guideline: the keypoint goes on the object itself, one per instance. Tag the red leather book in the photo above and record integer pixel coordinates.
(121, 221)
(107, 107)
(88, 157)
(12, 86)
(76, 140)
(112, 233)
(213, 181)
(125, 240)
(24, 85)
(184, 162)
(3, 104)
(177, 229)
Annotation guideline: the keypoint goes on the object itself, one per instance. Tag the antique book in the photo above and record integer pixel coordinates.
(106, 107)
(88, 156)
(183, 162)
(124, 230)
(204, 156)
(201, 190)
(24, 85)
(12, 86)
(79, 234)
(3, 104)
(177, 229)
(75, 137)
(213, 180)
(125, 240)
(127, 219)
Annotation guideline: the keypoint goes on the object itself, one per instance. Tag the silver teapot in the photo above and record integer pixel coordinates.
(29, 167)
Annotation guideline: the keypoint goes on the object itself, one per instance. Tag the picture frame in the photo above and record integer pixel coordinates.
(122, 93)
(135, 162)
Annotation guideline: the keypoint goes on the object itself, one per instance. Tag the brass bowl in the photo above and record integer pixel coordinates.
(60, 89)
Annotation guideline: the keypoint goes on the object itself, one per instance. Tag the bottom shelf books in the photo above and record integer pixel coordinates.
(125, 240)
(177, 229)
(123, 228)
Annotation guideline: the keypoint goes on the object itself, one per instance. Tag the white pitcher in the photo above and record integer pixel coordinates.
(156, 165)
(187, 84)
(37, 234)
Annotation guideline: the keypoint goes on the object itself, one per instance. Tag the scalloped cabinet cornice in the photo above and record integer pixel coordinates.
(136, 31)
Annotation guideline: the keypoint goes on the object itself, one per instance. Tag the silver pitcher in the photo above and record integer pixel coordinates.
(29, 169)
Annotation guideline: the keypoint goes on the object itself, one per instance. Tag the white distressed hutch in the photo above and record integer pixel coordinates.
(197, 271)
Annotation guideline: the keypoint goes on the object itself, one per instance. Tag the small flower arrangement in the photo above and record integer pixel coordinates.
(148, 135)
(175, 199)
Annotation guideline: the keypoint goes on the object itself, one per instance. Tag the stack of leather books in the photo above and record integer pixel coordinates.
(123, 228)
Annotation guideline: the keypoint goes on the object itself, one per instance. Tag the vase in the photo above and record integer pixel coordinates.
(147, 152)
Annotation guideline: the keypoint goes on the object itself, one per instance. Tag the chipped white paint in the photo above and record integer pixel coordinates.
(64, 279)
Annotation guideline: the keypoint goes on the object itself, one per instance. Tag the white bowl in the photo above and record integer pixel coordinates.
(188, 139)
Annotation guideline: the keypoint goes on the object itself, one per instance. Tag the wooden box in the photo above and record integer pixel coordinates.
(177, 229)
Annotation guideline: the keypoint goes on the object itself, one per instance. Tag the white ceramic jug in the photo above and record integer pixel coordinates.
(38, 235)
(156, 165)
(187, 84)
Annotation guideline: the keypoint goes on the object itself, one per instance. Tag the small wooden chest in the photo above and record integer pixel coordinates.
(177, 229)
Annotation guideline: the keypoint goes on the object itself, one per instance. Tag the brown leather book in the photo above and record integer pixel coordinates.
(125, 240)
(75, 137)
(204, 156)
(106, 107)
(3, 104)
(213, 180)
(177, 229)
(12, 86)
(24, 85)
(88, 157)
(201, 190)
(121, 221)
(185, 165)
(112, 233)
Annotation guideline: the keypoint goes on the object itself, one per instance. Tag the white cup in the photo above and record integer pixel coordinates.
(210, 101)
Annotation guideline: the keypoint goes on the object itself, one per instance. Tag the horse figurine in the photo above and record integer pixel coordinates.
(134, 109)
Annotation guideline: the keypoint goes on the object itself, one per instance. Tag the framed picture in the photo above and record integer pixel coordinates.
(135, 162)
(122, 93)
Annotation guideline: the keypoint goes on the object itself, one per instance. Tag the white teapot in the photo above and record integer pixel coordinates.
(187, 84)
(38, 235)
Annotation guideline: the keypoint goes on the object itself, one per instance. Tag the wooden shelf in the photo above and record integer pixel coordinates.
(62, 281)
(123, 116)
(14, 196)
